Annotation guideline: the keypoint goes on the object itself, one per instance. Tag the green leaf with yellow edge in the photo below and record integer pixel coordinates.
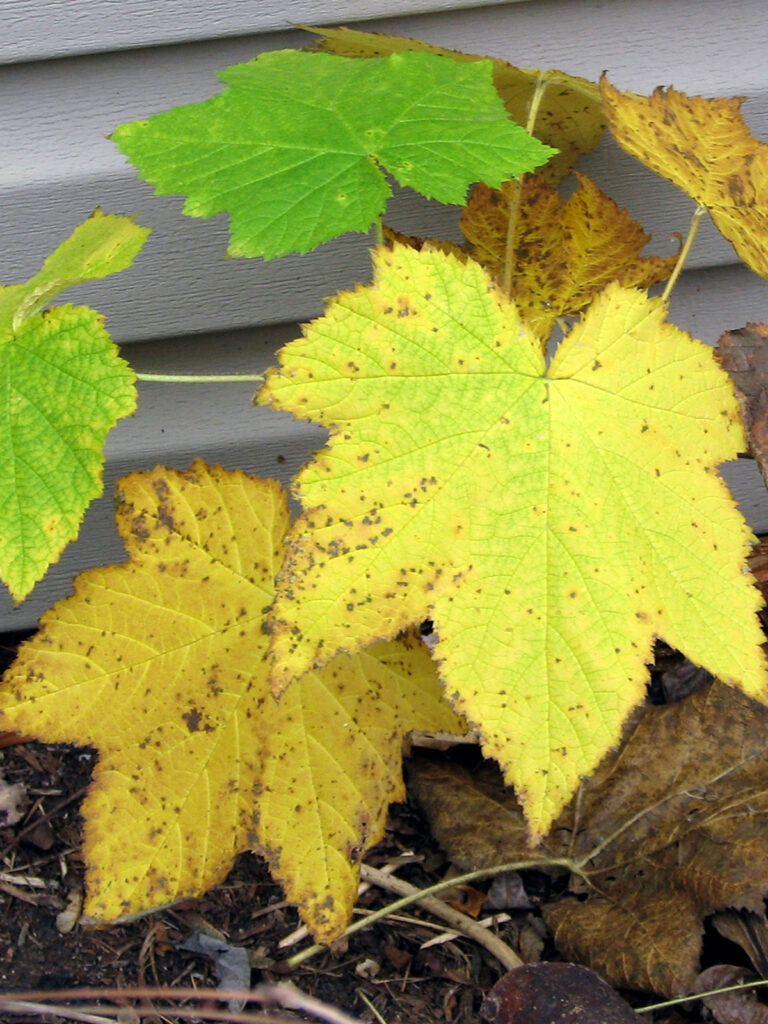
(705, 148)
(295, 147)
(569, 117)
(551, 521)
(565, 252)
(159, 663)
(64, 387)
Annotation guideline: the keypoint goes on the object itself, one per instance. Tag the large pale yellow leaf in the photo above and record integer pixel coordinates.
(565, 252)
(550, 520)
(705, 148)
(569, 118)
(159, 663)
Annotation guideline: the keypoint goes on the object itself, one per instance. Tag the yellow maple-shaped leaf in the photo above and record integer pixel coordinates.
(565, 251)
(159, 664)
(550, 520)
(569, 116)
(705, 147)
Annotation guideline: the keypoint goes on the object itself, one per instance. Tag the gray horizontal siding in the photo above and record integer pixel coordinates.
(193, 310)
(41, 29)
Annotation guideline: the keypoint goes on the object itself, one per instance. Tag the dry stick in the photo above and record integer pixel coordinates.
(513, 212)
(458, 921)
(117, 1014)
(695, 221)
(24, 1006)
(284, 995)
(418, 895)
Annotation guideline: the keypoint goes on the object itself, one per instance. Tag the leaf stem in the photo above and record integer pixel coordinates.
(692, 230)
(517, 191)
(702, 995)
(418, 895)
(379, 227)
(180, 378)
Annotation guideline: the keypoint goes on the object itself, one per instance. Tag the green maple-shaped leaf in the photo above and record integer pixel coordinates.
(294, 148)
(63, 388)
(550, 520)
(160, 664)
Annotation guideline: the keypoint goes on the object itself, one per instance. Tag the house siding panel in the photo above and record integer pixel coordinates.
(184, 304)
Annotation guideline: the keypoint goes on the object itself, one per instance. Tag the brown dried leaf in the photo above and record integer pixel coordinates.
(554, 993)
(744, 354)
(731, 1007)
(670, 828)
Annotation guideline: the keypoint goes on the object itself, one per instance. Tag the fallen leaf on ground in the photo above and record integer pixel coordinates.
(551, 520)
(732, 1007)
(671, 827)
(565, 252)
(159, 663)
(570, 114)
(553, 993)
(705, 147)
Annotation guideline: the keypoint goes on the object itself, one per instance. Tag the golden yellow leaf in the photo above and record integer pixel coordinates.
(705, 147)
(551, 520)
(565, 252)
(159, 664)
(569, 117)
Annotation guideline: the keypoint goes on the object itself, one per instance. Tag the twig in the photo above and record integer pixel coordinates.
(459, 922)
(417, 895)
(268, 995)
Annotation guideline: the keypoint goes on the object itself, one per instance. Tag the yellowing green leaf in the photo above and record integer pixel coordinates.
(63, 388)
(551, 521)
(159, 663)
(705, 148)
(565, 253)
(569, 117)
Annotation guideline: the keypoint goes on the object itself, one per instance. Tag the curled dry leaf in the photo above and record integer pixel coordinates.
(705, 147)
(670, 828)
(731, 1007)
(553, 993)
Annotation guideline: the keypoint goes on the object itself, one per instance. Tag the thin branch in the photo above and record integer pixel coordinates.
(418, 894)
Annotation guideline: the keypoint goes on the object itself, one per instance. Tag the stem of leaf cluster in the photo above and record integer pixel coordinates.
(180, 378)
(379, 227)
(517, 192)
(694, 227)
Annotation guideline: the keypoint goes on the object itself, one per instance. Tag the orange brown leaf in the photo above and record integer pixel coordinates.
(565, 252)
